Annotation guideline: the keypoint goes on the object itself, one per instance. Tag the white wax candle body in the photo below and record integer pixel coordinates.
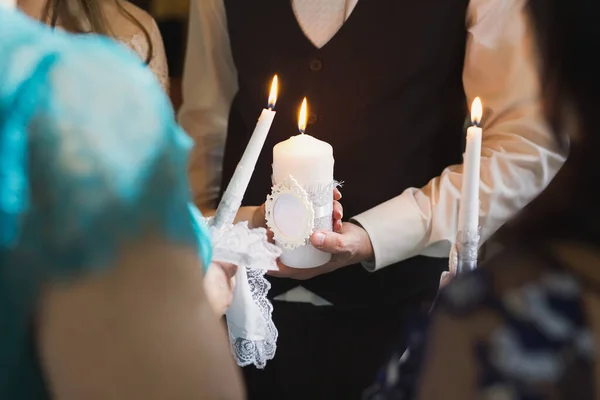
(310, 162)
(468, 215)
(234, 194)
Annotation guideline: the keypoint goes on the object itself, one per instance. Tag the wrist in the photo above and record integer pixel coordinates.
(251, 215)
(365, 252)
(207, 211)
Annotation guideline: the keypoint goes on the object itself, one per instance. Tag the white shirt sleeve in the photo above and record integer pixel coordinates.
(519, 156)
(209, 86)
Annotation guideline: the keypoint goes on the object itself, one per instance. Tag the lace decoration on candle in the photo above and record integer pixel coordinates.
(230, 202)
(252, 333)
(317, 203)
(463, 256)
(467, 248)
(322, 199)
(298, 202)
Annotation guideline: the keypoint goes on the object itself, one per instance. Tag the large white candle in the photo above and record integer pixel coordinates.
(310, 162)
(234, 194)
(468, 215)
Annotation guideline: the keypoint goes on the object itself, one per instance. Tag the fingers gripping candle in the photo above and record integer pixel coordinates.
(302, 197)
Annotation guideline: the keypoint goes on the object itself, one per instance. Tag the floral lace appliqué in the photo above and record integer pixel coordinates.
(252, 333)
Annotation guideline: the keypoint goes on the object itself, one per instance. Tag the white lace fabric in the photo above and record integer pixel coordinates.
(469, 245)
(238, 244)
(158, 63)
(252, 333)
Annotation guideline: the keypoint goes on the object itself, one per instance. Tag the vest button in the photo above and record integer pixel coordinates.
(316, 65)
(312, 118)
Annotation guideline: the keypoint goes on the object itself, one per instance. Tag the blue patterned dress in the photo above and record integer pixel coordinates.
(542, 349)
(91, 158)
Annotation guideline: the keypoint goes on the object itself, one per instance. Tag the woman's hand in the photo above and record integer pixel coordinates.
(219, 283)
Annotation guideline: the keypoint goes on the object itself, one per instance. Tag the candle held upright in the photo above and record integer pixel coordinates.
(234, 194)
(467, 241)
(302, 197)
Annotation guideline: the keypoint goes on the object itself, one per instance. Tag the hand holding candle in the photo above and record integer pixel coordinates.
(252, 333)
(234, 194)
(302, 199)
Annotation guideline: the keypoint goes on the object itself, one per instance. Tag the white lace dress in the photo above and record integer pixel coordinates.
(125, 31)
(158, 63)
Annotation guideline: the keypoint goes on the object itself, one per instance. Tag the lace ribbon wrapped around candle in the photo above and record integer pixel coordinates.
(293, 213)
(252, 333)
(463, 256)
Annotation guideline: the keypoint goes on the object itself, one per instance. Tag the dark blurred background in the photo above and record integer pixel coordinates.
(171, 16)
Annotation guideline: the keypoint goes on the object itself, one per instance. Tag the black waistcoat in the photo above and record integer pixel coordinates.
(386, 92)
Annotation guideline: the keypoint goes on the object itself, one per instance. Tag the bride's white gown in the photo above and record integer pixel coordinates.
(158, 64)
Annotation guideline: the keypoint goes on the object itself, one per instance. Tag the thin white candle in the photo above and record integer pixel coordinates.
(310, 162)
(468, 215)
(234, 194)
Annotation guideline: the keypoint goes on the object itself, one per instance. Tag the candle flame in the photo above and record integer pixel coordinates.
(302, 116)
(476, 111)
(273, 93)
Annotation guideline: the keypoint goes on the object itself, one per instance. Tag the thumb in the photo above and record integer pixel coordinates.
(259, 217)
(330, 242)
(229, 268)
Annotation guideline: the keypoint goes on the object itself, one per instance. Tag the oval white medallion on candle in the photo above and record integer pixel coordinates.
(290, 214)
(302, 197)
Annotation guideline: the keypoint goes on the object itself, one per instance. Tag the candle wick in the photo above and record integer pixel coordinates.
(476, 123)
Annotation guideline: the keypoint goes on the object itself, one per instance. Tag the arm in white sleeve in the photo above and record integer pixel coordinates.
(519, 156)
(209, 86)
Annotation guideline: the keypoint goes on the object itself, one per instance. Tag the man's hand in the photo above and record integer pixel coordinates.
(219, 283)
(350, 245)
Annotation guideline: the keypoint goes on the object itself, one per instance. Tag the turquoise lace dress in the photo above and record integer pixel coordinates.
(90, 158)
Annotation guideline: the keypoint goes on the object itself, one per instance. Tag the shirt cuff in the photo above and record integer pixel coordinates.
(397, 229)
